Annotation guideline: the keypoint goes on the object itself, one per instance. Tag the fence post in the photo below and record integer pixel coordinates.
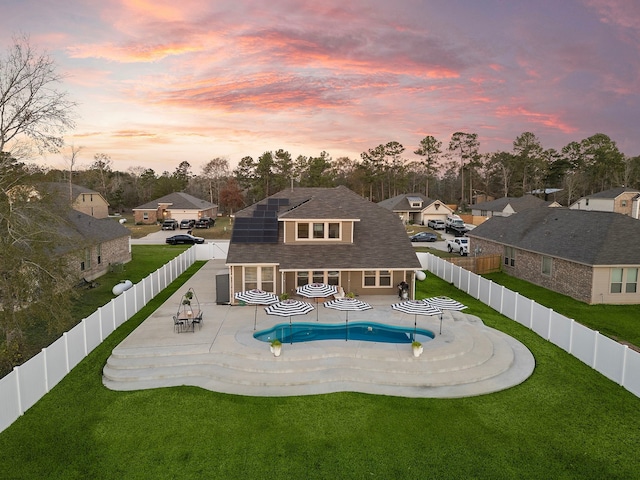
(501, 299)
(46, 373)
(571, 336)
(549, 324)
(66, 351)
(84, 335)
(595, 350)
(624, 365)
(100, 323)
(18, 396)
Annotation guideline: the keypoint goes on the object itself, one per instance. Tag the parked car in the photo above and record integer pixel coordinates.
(436, 224)
(424, 237)
(184, 239)
(205, 222)
(169, 224)
(187, 224)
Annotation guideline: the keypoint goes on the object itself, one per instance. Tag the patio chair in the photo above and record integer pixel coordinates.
(178, 324)
(340, 293)
(198, 320)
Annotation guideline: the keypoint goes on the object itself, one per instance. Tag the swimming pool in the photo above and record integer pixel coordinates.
(364, 331)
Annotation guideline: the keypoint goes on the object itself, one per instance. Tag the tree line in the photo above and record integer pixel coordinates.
(456, 174)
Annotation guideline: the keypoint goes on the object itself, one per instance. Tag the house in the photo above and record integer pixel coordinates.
(103, 242)
(592, 256)
(319, 235)
(620, 200)
(415, 208)
(82, 199)
(505, 206)
(177, 205)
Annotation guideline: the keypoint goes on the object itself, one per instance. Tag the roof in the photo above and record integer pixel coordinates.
(380, 240)
(588, 237)
(178, 201)
(76, 190)
(517, 203)
(81, 230)
(401, 203)
(612, 193)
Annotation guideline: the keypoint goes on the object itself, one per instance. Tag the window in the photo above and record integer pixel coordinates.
(99, 248)
(509, 256)
(377, 278)
(302, 278)
(632, 280)
(333, 278)
(86, 264)
(262, 278)
(317, 277)
(318, 231)
(303, 230)
(546, 265)
(623, 203)
(145, 215)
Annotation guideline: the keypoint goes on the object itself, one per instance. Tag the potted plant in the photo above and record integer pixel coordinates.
(284, 296)
(351, 295)
(276, 347)
(417, 348)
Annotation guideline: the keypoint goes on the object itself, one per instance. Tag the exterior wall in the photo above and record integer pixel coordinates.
(153, 217)
(602, 289)
(111, 252)
(567, 278)
(92, 204)
(599, 204)
(624, 203)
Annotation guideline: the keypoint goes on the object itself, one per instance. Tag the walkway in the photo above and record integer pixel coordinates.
(468, 359)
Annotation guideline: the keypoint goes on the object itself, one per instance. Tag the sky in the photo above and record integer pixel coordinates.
(159, 82)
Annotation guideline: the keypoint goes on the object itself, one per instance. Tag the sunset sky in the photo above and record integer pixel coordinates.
(162, 81)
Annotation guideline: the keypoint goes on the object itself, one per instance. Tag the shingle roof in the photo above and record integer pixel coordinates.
(380, 240)
(400, 203)
(612, 193)
(177, 200)
(517, 203)
(588, 237)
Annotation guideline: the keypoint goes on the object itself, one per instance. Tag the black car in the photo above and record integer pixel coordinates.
(205, 222)
(184, 238)
(424, 237)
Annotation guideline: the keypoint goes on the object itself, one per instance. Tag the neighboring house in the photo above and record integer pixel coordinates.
(319, 235)
(416, 209)
(82, 199)
(178, 205)
(593, 257)
(102, 242)
(619, 200)
(505, 206)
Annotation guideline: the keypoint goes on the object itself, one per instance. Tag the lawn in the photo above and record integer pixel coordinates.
(620, 322)
(566, 421)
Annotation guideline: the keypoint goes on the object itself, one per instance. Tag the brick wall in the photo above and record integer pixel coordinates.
(111, 252)
(567, 278)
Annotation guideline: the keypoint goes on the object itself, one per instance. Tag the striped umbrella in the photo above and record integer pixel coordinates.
(416, 307)
(256, 297)
(445, 303)
(289, 308)
(317, 290)
(347, 304)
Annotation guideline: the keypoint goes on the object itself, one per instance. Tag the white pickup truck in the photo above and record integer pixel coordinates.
(459, 245)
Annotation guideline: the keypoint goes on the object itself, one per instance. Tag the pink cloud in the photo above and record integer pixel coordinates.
(133, 52)
(547, 119)
(624, 13)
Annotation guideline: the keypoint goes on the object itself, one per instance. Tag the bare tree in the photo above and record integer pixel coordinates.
(30, 106)
(72, 159)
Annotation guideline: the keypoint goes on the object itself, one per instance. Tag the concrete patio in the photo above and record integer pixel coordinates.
(467, 359)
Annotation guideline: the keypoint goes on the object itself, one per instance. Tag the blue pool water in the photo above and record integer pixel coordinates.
(367, 331)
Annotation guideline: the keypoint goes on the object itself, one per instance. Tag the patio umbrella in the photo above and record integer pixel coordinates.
(445, 303)
(256, 297)
(416, 307)
(317, 290)
(347, 304)
(289, 308)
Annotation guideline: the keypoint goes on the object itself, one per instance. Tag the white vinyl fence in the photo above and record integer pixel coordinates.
(612, 359)
(29, 382)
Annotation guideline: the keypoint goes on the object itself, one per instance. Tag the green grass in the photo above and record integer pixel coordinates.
(566, 421)
(620, 322)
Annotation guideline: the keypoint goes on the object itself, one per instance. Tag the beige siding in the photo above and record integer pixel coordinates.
(346, 229)
(602, 289)
(92, 204)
